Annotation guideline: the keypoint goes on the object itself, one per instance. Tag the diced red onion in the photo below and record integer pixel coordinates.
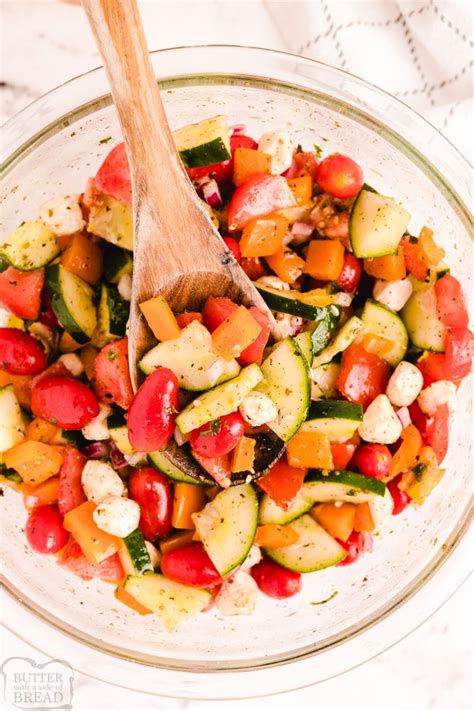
(403, 415)
(301, 229)
(212, 194)
(117, 459)
(238, 129)
(95, 450)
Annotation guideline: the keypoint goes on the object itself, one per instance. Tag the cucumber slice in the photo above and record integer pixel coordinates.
(340, 342)
(421, 319)
(227, 526)
(12, 426)
(159, 460)
(204, 143)
(134, 555)
(384, 322)
(112, 316)
(118, 432)
(192, 358)
(270, 512)
(112, 220)
(171, 601)
(324, 381)
(117, 263)
(304, 343)
(72, 303)
(376, 225)
(325, 329)
(338, 419)
(286, 382)
(221, 400)
(288, 303)
(315, 549)
(31, 246)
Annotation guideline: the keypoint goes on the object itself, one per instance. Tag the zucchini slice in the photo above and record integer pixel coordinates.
(270, 512)
(31, 246)
(204, 143)
(421, 319)
(227, 526)
(12, 426)
(112, 220)
(315, 549)
(159, 460)
(112, 315)
(118, 431)
(72, 303)
(384, 322)
(134, 555)
(376, 225)
(171, 601)
(117, 263)
(342, 340)
(287, 302)
(286, 383)
(338, 419)
(324, 329)
(304, 343)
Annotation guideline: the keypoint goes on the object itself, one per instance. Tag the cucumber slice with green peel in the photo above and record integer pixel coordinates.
(342, 485)
(324, 381)
(304, 343)
(286, 383)
(227, 526)
(192, 358)
(117, 263)
(376, 225)
(338, 419)
(421, 319)
(204, 143)
(287, 302)
(9, 474)
(271, 513)
(134, 555)
(112, 220)
(171, 601)
(118, 432)
(221, 400)
(342, 340)
(72, 303)
(12, 425)
(112, 315)
(381, 321)
(315, 548)
(159, 460)
(31, 246)
(325, 329)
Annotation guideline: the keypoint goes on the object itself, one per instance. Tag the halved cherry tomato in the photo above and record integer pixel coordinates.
(188, 317)
(20, 353)
(190, 565)
(234, 247)
(219, 436)
(282, 482)
(71, 493)
(400, 498)
(356, 544)
(458, 354)
(74, 560)
(153, 410)
(351, 273)
(113, 176)
(111, 376)
(20, 292)
(274, 580)
(152, 491)
(254, 352)
(64, 402)
(259, 195)
(437, 432)
(373, 460)
(304, 163)
(363, 375)
(222, 172)
(45, 531)
(450, 302)
(340, 176)
(253, 267)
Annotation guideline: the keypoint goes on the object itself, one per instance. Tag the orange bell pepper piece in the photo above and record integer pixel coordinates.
(420, 481)
(188, 499)
(363, 521)
(160, 318)
(83, 258)
(338, 521)
(407, 452)
(34, 461)
(415, 260)
(236, 333)
(247, 162)
(88, 355)
(177, 540)
(430, 250)
(21, 387)
(264, 236)
(274, 536)
(282, 482)
(67, 344)
(390, 268)
(302, 188)
(41, 431)
(96, 545)
(310, 450)
(243, 455)
(45, 493)
(286, 264)
(15, 485)
(123, 596)
(325, 259)
(379, 345)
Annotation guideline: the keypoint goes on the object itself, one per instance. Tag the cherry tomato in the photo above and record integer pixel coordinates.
(437, 432)
(304, 163)
(45, 531)
(20, 292)
(254, 352)
(351, 273)
(400, 498)
(274, 580)
(152, 411)
(219, 436)
(188, 317)
(113, 176)
(64, 402)
(47, 316)
(450, 302)
(190, 565)
(363, 375)
(152, 491)
(71, 493)
(340, 176)
(458, 355)
(356, 544)
(234, 247)
(20, 353)
(282, 483)
(258, 195)
(72, 558)
(111, 376)
(373, 460)
(253, 267)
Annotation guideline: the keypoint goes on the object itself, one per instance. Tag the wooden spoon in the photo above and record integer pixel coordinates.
(178, 253)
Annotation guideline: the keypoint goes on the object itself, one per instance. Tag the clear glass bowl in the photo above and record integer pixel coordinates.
(53, 147)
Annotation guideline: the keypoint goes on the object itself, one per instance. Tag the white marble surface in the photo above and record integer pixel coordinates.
(44, 43)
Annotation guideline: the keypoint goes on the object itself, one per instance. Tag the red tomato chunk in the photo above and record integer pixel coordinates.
(20, 353)
(190, 565)
(152, 491)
